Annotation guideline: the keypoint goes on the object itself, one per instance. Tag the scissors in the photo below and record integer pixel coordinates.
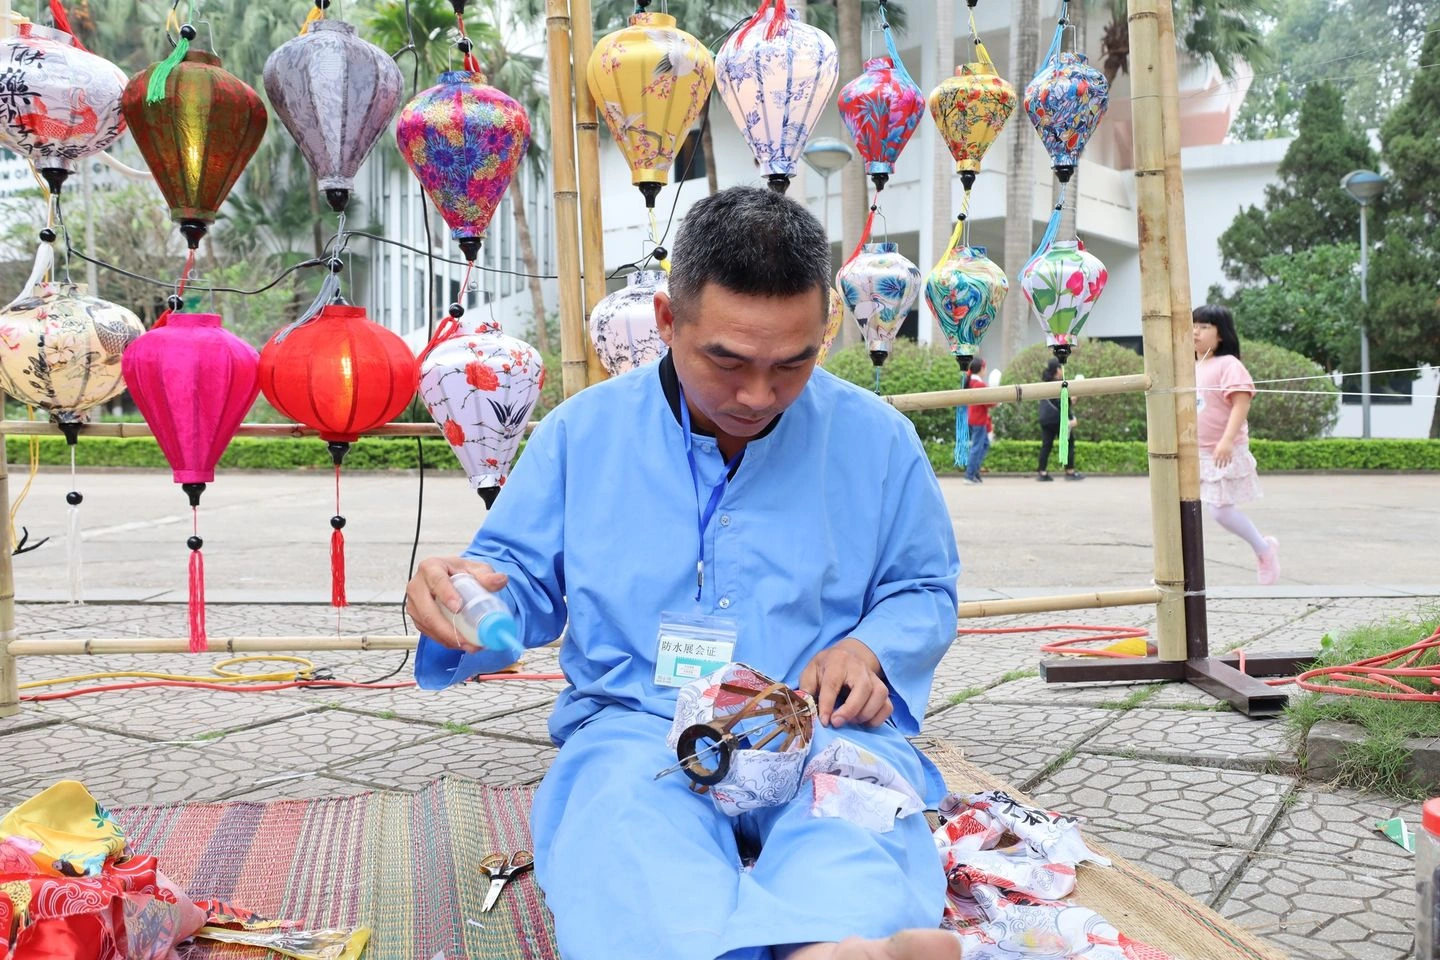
(500, 870)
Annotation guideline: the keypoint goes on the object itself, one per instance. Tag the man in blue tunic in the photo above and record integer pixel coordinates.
(796, 520)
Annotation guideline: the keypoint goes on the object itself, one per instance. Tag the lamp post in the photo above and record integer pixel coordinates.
(825, 155)
(1364, 187)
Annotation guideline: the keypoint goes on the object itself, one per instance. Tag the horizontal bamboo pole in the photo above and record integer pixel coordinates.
(79, 646)
(1098, 386)
(1067, 601)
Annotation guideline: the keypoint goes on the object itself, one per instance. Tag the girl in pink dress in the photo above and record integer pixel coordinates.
(1223, 391)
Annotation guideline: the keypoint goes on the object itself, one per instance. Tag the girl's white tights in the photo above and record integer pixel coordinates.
(1230, 517)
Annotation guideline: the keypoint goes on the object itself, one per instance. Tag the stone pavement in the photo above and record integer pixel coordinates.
(1200, 796)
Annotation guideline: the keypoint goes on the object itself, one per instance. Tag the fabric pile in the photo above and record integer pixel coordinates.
(1009, 868)
(70, 889)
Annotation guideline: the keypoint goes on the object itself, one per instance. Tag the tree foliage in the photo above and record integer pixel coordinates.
(1311, 303)
(1223, 31)
(1307, 207)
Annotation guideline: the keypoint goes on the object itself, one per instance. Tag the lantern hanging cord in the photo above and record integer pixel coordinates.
(466, 45)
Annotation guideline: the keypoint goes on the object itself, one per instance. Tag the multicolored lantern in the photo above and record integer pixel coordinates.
(197, 136)
(834, 319)
(650, 81)
(58, 102)
(1062, 284)
(193, 381)
(1065, 101)
(463, 139)
(970, 110)
(336, 94)
(881, 108)
(965, 291)
(879, 286)
(622, 325)
(480, 387)
(340, 375)
(776, 74)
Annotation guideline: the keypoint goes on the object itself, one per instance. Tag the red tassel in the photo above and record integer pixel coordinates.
(62, 21)
(865, 233)
(198, 641)
(337, 569)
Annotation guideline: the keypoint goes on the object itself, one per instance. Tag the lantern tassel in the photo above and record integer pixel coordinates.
(865, 233)
(198, 641)
(316, 13)
(892, 52)
(1051, 229)
(72, 555)
(155, 90)
(1064, 420)
(329, 290)
(1059, 37)
(740, 37)
(62, 21)
(337, 539)
(44, 261)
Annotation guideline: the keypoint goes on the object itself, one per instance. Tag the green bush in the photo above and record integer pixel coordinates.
(1305, 415)
(1119, 416)
(911, 368)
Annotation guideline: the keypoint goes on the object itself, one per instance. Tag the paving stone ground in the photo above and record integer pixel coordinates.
(1170, 779)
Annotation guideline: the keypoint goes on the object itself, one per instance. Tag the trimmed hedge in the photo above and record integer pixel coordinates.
(1129, 457)
(1118, 416)
(911, 368)
(1006, 456)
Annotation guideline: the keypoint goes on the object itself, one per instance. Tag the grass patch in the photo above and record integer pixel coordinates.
(966, 694)
(450, 726)
(1024, 673)
(1136, 697)
(385, 714)
(1378, 762)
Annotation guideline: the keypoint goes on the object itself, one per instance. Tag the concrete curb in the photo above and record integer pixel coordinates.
(1327, 742)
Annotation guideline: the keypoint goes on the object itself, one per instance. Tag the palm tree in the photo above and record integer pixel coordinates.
(941, 163)
(1225, 31)
(1019, 186)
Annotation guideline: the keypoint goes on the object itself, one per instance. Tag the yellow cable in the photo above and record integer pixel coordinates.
(305, 672)
(960, 222)
(29, 480)
(655, 238)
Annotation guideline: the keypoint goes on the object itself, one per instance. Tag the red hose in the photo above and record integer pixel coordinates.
(1098, 635)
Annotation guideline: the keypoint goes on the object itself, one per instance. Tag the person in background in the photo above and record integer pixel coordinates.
(1223, 391)
(980, 424)
(1050, 429)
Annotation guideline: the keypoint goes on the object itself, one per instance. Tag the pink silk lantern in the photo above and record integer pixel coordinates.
(881, 109)
(193, 381)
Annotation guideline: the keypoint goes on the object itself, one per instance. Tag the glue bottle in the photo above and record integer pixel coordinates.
(482, 618)
(1427, 883)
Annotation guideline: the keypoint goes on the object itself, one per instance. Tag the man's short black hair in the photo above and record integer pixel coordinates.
(1219, 317)
(750, 241)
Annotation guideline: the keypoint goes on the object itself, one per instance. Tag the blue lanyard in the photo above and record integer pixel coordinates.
(706, 513)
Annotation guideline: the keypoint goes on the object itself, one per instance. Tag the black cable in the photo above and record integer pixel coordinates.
(459, 263)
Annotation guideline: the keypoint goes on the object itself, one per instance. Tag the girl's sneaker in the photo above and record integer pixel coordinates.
(1268, 564)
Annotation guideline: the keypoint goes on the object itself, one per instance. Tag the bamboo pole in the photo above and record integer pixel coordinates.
(81, 647)
(938, 399)
(1192, 532)
(573, 365)
(1155, 319)
(1067, 601)
(9, 682)
(587, 135)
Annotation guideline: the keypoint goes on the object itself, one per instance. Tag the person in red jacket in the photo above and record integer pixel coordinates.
(980, 424)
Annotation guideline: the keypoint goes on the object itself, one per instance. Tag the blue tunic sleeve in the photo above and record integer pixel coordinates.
(911, 614)
(524, 536)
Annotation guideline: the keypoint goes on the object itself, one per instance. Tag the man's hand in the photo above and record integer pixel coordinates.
(429, 594)
(850, 667)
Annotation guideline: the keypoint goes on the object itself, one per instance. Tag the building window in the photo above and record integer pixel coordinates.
(1393, 390)
(417, 315)
(690, 158)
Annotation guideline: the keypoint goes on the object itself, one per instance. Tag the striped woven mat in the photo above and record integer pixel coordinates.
(405, 864)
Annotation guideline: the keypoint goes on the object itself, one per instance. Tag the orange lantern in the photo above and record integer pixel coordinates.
(341, 375)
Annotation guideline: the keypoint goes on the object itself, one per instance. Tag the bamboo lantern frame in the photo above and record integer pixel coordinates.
(1178, 591)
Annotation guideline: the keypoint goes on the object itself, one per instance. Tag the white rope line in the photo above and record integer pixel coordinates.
(1353, 373)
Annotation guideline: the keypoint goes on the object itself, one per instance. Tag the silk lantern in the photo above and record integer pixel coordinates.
(879, 285)
(480, 387)
(193, 381)
(197, 135)
(622, 325)
(1062, 285)
(834, 319)
(965, 291)
(1065, 101)
(341, 375)
(775, 75)
(881, 109)
(61, 103)
(650, 81)
(61, 353)
(971, 109)
(463, 140)
(336, 94)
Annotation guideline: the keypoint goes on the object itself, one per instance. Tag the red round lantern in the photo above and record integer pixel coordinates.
(341, 375)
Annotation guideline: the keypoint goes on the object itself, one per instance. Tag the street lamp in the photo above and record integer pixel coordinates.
(825, 155)
(1364, 187)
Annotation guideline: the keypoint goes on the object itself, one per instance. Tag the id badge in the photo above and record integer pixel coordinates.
(691, 646)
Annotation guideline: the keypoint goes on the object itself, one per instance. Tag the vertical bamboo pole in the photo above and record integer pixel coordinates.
(587, 134)
(9, 681)
(573, 366)
(1192, 533)
(1155, 317)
